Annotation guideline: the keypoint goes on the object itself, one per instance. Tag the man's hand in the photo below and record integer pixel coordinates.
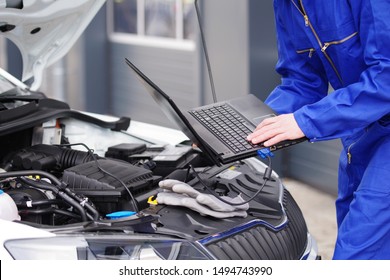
(274, 130)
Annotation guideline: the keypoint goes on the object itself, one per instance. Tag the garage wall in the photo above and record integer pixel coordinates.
(226, 28)
(182, 72)
(175, 71)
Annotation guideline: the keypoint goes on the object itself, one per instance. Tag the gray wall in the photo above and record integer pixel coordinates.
(263, 49)
(97, 72)
(174, 71)
(182, 73)
(315, 164)
(226, 28)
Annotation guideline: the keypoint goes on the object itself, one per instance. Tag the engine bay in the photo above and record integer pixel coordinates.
(57, 184)
(70, 176)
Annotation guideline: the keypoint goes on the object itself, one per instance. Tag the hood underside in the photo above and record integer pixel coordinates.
(44, 30)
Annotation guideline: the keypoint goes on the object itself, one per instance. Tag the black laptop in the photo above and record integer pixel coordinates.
(219, 129)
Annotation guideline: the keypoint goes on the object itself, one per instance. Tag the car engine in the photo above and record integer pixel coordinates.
(68, 188)
(49, 183)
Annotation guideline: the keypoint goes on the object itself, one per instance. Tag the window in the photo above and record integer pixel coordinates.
(171, 21)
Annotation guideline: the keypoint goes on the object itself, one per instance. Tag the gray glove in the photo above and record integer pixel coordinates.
(177, 193)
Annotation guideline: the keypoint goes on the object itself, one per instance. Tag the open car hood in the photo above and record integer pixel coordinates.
(44, 30)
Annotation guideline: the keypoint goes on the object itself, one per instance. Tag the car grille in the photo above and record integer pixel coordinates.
(263, 243)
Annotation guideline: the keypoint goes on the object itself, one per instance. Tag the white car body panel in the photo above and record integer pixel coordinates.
(45, 30)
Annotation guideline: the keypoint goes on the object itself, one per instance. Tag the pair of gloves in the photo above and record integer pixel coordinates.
(177, 193)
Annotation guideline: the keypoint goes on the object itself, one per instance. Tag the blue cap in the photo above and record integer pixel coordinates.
(120, 214)
(1, 191)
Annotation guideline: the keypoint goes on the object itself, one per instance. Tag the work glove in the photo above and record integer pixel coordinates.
(178, 193)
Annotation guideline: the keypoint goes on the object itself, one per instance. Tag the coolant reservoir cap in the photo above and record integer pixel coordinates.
(120, 214)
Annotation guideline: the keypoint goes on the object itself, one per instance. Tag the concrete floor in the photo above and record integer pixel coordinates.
(319, 212)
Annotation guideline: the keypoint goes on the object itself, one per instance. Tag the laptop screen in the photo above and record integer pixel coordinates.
(166, 104)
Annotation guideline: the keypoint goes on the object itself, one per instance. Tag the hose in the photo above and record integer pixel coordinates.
(46, 186)
(22, 173)
(48, 211)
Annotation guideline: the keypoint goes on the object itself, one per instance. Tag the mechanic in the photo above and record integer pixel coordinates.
(344, 43)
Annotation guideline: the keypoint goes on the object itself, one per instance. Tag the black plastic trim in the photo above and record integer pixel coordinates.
(35, 113)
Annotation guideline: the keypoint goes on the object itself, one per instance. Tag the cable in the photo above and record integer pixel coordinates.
(85, 203)
(43, 185)
(206, 53)
(56, 189)
(37, 203)
(29, 173)
(49, 210)
(138, 137)
(188, 173)
(105, 172)
(266, 178)
(65, 194)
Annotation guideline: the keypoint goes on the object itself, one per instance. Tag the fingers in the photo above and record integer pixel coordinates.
(267, 122)
(275, 140)
(266, 130)
(269, 139)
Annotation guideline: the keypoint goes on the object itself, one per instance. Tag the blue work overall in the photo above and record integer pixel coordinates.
(345, 44)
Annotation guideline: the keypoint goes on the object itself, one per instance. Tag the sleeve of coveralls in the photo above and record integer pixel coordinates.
(300, 83)
(357, 105)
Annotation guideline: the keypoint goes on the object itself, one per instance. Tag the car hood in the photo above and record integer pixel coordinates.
(44, 30)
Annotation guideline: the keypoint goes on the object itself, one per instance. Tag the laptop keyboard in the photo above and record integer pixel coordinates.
(227, 125)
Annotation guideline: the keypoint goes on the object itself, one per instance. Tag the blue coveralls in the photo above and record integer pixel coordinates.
(344, 43)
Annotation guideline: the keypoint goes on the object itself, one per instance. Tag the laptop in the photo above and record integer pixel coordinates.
(218, 129)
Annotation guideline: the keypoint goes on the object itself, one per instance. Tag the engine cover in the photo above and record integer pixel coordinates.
(107, 182)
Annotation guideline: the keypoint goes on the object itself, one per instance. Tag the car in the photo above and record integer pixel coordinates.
(82, 186)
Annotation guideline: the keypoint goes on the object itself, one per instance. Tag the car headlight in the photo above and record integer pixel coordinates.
(103, 248)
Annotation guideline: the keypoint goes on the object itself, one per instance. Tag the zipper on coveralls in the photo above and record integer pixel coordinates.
(349, 153)
(322, 46)
(326, 45)
(310, 51)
